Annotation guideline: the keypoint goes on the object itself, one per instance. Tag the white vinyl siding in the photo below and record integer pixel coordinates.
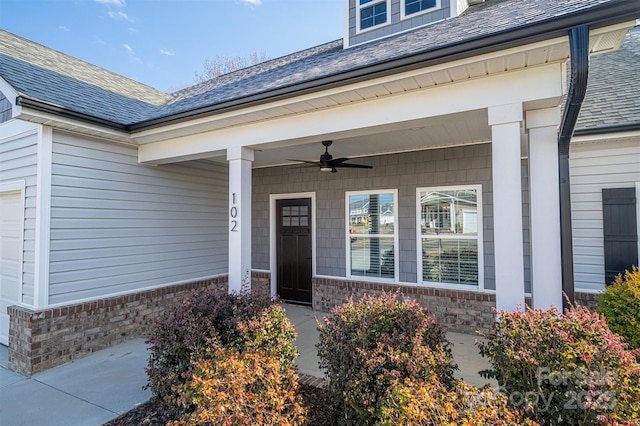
(612, 164)
(18, 158)
(118, 226)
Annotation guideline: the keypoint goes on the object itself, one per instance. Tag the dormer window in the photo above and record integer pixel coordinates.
(412, 7)
(372, 13)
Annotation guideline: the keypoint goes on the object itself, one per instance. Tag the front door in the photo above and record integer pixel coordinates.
(294, 252)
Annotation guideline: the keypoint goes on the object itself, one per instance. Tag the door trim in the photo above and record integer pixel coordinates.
(273, 261)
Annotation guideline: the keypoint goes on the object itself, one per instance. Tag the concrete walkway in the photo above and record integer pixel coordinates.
(100, 387)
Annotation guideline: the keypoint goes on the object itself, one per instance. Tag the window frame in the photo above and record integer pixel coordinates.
(360, 7)
(349, 236)
(479, 237)
(403, 8)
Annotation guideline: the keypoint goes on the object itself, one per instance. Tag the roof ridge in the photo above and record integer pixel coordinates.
(34, 53)
(242, 73)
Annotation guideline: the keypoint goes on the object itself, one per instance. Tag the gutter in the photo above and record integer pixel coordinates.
(606, 14)
(579, 45)
(67, 113)
(607, 130)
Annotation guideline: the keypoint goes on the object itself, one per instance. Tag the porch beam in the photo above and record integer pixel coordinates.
(544, 183)
(505, 122)
(240, 160)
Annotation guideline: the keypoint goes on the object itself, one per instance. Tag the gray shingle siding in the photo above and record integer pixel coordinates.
(465, 165)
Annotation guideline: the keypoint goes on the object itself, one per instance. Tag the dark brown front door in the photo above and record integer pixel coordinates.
(294, 258)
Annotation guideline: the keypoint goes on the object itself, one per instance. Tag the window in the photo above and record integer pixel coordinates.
(450, 233)
(412, 7)
(371, 234)
(372, 13)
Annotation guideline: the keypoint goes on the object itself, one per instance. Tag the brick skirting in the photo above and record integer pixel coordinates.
(457, 310)
(588, 300)
(261, 283)
(41, 339)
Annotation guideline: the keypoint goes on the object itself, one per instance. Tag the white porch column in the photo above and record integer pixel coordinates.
(240, 160)
(546, 259)
(505, 121)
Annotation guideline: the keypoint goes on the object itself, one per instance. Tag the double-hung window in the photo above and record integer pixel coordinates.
(372, 13)
(450, 235)
(372, 234)
(412, 7)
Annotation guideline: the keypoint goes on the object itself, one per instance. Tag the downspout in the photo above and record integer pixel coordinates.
(579, 44)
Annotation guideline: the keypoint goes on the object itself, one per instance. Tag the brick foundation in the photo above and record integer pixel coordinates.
(457, 310)
(588, 300)
(42, 339)
(261, 283)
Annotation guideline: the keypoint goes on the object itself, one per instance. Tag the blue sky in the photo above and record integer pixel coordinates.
(163, 43)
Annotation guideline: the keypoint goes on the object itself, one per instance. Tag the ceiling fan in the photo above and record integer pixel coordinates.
(329, 164)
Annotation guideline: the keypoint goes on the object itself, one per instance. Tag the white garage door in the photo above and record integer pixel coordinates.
(11, 237)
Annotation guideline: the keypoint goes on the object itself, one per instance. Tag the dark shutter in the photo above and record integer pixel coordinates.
(620, 231)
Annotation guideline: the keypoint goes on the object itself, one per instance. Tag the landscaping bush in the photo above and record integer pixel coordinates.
(206, 322)
(564, 369)
(410, 403)
(367, 346)
(233, 388)
(620, 304)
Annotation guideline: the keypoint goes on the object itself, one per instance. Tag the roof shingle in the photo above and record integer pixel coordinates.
(52, 77)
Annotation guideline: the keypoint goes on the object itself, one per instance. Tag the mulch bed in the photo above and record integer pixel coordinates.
(155, 413)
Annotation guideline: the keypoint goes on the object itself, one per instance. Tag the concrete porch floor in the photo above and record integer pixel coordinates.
(100, 387)
(306, 320)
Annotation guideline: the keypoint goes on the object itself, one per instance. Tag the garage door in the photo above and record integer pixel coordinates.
(11, 225)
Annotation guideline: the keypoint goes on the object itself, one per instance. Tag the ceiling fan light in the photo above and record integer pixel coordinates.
(326, 169)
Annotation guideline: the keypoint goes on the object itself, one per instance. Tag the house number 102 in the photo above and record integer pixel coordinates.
(233, 212)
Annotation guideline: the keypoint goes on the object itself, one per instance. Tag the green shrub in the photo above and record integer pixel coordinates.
(620, 304)
(207, 321)
(410, 403)
(568, 369)
(250, 388)
(367, 346)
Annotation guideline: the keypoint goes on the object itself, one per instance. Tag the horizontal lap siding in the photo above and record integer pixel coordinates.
(118, 226)
(18, 159)
(594, 166)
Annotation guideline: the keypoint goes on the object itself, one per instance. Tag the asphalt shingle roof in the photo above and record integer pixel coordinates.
(53, 77)
(613, 89)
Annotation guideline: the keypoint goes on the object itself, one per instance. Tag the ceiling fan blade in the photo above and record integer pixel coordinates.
(354, 166)
(316, 163)
(338, 160)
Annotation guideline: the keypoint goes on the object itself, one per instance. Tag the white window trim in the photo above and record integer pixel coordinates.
(479, 238)
(396, 238)
(359, 8)
(404, 16)
(12, 188)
